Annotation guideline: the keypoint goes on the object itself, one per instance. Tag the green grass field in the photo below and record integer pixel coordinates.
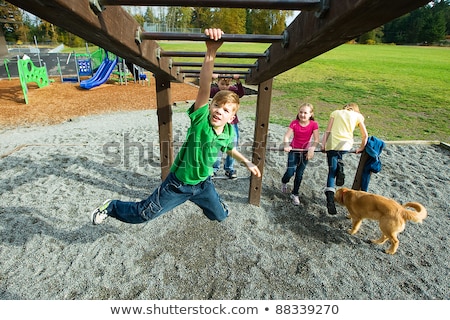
(403, 92)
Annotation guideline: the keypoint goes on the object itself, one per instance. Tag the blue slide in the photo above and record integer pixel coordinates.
(102, 75)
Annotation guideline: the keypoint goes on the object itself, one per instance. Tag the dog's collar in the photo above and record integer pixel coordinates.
(343, 192)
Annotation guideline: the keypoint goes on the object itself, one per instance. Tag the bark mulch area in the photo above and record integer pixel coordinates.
(59, 102)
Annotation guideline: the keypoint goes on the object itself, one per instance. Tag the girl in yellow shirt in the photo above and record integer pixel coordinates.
(338, 140)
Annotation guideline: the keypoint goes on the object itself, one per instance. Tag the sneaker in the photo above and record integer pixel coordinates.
(231, 174)
(284, 188)
(340, 176)
(100, 214)
(295, 200)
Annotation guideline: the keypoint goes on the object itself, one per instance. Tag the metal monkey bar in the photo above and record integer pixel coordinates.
(257, 38)
(187, 54)
(228, 72)
(217, 65)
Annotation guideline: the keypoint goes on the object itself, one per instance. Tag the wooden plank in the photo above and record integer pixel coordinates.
(113, 30)
(359, 171)
(260, 139)
(427, 142)
(164, 111)
(310, 36)
(444, 145)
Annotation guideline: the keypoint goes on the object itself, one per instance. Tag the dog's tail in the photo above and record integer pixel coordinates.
(418, 215)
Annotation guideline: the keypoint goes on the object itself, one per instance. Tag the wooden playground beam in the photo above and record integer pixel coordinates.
(310, 36)
(260, 139)
(113, 30)
(165, 128)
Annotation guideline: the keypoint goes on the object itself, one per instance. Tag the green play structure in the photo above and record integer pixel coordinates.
(28, 72)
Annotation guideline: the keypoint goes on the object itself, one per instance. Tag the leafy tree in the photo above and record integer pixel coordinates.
(69, 39)
(440, 23)
(179, 17)
(150, 17)
(434, 25)
(23, 30)
(427, 24)
(268, 21)
(248, 21)
(230, 20)
(202, 18)
(11, 21)
(47, 32)
(371, 37)
(445, 7)
(185, 17)
(140, 19)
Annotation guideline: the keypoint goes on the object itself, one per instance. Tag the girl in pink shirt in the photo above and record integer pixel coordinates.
(300, 147)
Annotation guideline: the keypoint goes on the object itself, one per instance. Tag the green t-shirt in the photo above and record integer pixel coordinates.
(194, 162)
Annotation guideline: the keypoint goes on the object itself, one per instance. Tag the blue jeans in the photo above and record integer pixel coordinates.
(296, 164)
(171, 193)
(229, 161)
(332, 158)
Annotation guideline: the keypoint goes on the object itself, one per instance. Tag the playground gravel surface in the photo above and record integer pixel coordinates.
(55, 171)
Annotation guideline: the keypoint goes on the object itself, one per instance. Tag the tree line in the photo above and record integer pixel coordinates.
(428, 24)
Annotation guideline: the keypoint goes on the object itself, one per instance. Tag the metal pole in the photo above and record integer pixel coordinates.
(202, 37)
(39, 56)
(303, 150)
(186, 54)
(216, 71)
(77, 67)
(59, 69)
(196, 75)
(217, 65)
(5, 61)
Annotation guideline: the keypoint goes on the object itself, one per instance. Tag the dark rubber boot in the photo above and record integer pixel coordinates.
(340, 176)
(330, 202)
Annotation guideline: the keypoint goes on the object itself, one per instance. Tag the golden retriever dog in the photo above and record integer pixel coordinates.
(390, 215)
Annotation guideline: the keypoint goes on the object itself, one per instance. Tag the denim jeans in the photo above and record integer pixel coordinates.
(332, 158)
(229, 161)
(296, 164)
(171, 193)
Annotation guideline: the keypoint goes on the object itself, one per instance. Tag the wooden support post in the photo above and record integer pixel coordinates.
(260, 138)
(359, 171)
(164, 111)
